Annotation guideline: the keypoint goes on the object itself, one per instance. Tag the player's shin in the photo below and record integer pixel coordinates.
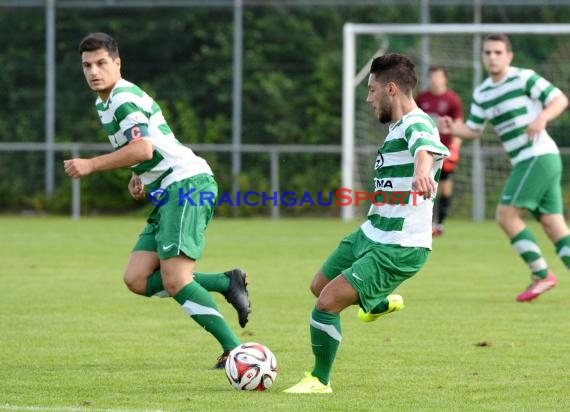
(444, 203)
(326, 335)
(213, 282)
(563, 250)
(201, 307)
(525, 245)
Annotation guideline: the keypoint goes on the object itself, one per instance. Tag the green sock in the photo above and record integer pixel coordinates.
(563, 250)
(525, 245)
(325, 339)
(212, 282)
(201, 307)
(154, 286)
(381, 307)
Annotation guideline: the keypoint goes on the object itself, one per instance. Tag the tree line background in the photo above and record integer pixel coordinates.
(292, 72)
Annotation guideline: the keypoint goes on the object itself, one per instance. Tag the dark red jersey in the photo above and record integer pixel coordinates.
(446, 104)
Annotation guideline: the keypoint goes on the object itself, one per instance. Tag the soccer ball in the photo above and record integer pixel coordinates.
(251, 367)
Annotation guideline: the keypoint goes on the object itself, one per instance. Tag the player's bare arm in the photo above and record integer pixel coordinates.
(550, 112)
(135, 152)
(458, 128)
(456, 141)
(422, 180)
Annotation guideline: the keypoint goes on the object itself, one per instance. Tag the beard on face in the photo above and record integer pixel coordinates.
(385, 115)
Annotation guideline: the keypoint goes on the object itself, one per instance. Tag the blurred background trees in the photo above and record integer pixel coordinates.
(292, 71)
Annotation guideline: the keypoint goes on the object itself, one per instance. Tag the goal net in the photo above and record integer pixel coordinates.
(484, 166)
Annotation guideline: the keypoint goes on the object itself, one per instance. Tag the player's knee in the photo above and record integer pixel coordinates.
(170, 286)
(134, 282)
(325, 304)
(498, 219)
(173, 283)
(321, 305)
(318, 284)
(547, 226)
(315, 289)
(503, 215)
(554, 226)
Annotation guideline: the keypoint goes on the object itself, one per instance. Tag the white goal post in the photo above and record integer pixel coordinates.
(350, 33)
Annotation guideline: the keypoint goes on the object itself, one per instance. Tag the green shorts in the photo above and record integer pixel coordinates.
(179, 225)
(374, 270)
(535, 184)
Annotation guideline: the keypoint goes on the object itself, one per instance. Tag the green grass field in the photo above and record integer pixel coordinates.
(73, 338)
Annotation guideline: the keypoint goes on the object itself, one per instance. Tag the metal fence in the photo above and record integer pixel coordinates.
(275, 152)
(490, 157)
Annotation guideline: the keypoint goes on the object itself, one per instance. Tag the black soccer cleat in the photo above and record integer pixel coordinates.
(222, 359)
(237, 294)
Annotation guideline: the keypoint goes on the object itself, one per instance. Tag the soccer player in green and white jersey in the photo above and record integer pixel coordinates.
(164, 257)
(519, 103)
(393, 243)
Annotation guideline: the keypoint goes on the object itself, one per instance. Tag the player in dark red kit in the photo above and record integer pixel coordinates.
(438, 100)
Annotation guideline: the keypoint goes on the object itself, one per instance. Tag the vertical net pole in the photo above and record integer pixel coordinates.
(477, 171)
(425, 60)
(50, 97)
(348, 94)
(237, 94)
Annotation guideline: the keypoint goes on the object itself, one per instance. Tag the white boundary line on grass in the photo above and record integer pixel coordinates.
(9, 407)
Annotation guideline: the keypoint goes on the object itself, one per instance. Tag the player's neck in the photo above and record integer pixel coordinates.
(405, 107)
(438, 91)
(105, 94)
(497, 77)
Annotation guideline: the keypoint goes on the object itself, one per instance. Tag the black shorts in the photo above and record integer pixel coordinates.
(445, 175)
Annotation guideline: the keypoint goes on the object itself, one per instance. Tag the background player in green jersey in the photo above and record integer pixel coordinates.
(519, 104)
(393, 243)
(164, 258)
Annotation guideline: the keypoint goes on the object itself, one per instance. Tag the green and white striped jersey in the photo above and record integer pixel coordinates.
(400, 215)
(511, 105)
(129, 106)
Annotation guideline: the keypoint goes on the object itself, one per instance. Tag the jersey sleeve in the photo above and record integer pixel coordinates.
(421, 135)
(128, 112)
(476, 118)
(537, 87)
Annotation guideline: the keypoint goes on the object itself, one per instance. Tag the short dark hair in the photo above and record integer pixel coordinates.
(499, 37)
(438, 68)
(397, 68)
(96, 41)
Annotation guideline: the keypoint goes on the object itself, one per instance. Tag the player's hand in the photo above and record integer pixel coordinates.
(136, 187)
(77, 168)
(424, 185)
(534, 129)
(445, 124)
